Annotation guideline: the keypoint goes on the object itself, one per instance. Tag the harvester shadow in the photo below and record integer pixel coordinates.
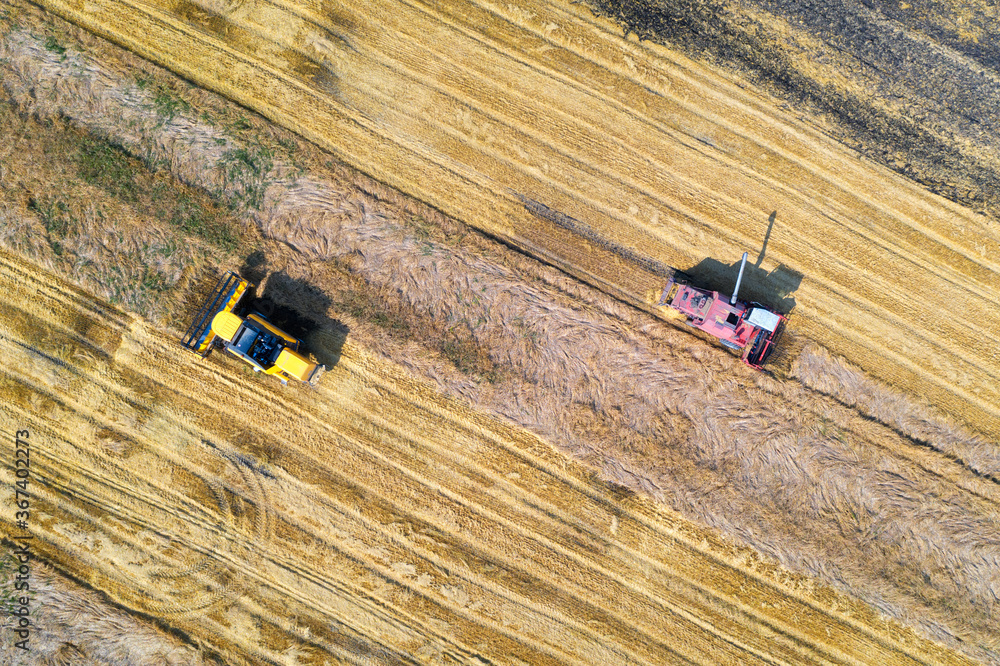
(298, 308)
(773, 289)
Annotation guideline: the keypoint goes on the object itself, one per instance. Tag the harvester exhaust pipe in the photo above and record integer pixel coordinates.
(739, 278)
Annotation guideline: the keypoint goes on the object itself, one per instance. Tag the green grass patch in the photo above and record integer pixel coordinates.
(57, 220)
(9, 595)
(54, 214)
(246, 171)
(105, 165)
(153, 283)
(100, 163)
(462, 354)
(52, 44)
(133, 285)
(102, 218)
(197, 220)
(168, 105)
(166, 102)
(241, 124)
(364, 308)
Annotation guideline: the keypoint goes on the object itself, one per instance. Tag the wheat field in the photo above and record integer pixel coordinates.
(372, 520)
(411, 509)
(477, 107)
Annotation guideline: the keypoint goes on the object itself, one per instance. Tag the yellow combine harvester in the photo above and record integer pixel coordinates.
(264, 346)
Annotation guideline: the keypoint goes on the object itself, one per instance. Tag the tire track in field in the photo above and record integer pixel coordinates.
(109, 579)
(171, 608)
(122, 488)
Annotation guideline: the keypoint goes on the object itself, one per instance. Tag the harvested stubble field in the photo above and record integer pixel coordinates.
(397, 523)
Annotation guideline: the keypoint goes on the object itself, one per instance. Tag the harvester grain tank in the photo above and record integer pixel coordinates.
(253, 338)
(749, 328)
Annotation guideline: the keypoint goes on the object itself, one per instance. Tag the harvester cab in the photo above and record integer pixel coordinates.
(255, 340)
(751, 329)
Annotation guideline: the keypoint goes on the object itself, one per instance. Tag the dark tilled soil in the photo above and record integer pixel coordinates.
(920, 86)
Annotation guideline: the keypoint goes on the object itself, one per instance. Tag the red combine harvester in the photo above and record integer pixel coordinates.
(749, 328)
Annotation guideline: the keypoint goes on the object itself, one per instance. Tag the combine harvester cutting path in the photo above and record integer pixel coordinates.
(748, 328)
(264, 346)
